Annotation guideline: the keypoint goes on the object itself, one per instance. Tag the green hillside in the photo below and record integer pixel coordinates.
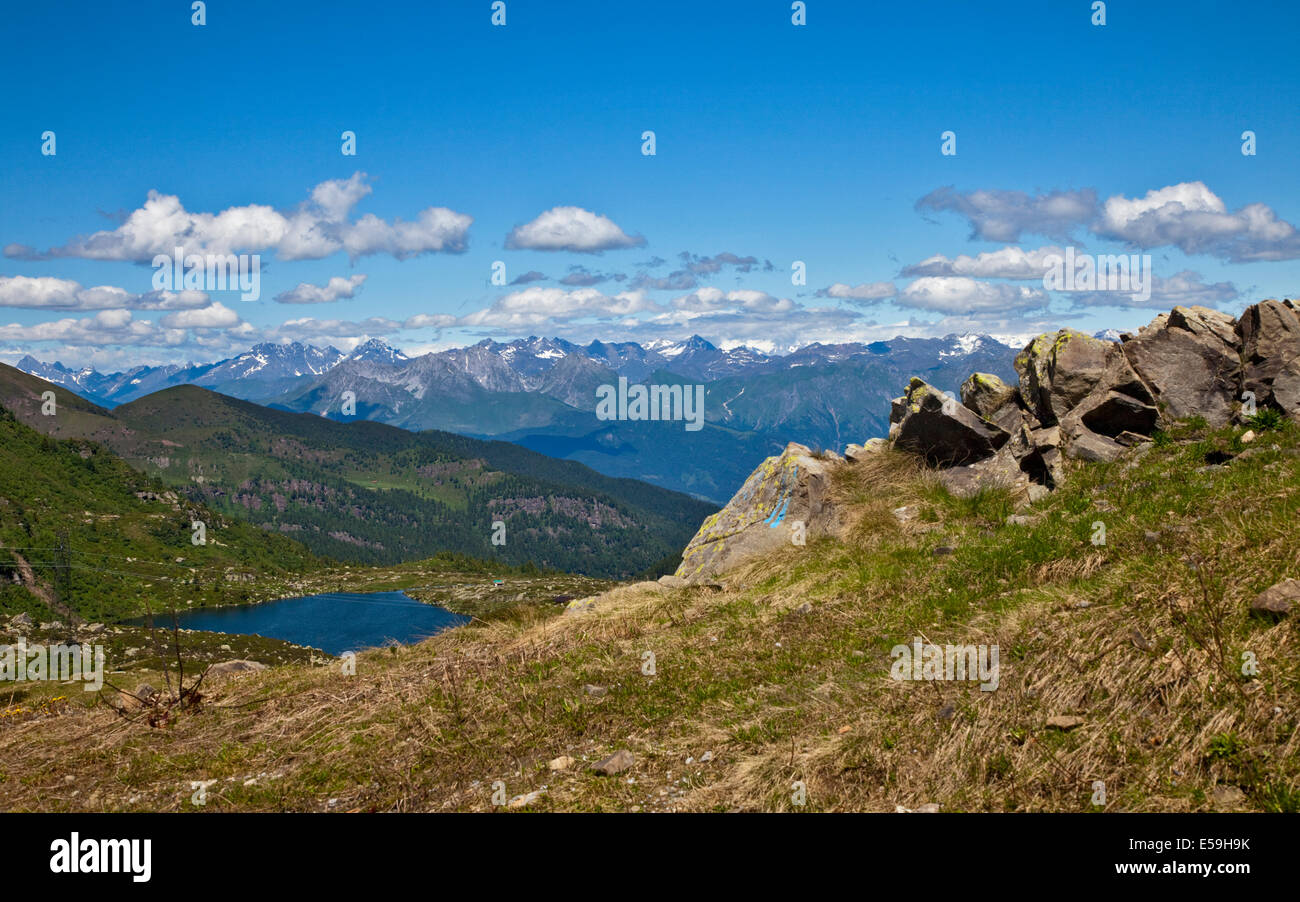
(80, 531)
(369, 493)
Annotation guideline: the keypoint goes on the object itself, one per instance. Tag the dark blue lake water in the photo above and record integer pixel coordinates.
(335, 622)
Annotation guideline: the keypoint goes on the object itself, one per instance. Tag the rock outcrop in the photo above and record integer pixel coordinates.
(942, 431)
(787, 489)
(1270, 353)
(1077, 397)
(1191, 360)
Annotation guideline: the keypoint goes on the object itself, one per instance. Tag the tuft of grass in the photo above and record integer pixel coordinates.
(1267, 419)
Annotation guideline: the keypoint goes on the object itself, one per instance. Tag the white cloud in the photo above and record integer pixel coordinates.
(1194, 219)
(333, 290)
(310, 329)
(47, 292)
(864, 293)
(739, 300)
(570, 229)
(1010, 262)
(213, 316)
(1185, 288)
(1003, 215)
(961, 295)
(317, 228)
(538, 306)
(108, 327)
(1188, 216)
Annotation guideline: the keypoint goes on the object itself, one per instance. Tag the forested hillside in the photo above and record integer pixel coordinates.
(368, 493)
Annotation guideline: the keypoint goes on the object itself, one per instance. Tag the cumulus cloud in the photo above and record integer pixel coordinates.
(740, 300)
(1010, 262)
(865, 293)
(1004, 215)
(1188, 216)
(47, 292)
(318, 228)
(537, 306)
(213, 316)
(309, 329)
(1186, 288)
(335, 289)
(961, 295)
(570, 229)
(108, 327)
(1194, 219)
(531, 276)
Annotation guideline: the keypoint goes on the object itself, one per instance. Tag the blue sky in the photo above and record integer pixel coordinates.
(774, 143)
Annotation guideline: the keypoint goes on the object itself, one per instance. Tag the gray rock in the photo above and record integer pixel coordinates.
(1001, 470)
(1190, 359)
(793, 486)
(21, 621)
(1278, 599)
(615, 764)
(872, 446)
(904, 514)
(942, 431)
(1090, 446)
(927, 808)
(989, 397)
(1270, 349)
(1059, 370)
(1133, 439)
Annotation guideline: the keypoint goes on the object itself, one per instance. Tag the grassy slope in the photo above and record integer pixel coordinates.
(1141, 637)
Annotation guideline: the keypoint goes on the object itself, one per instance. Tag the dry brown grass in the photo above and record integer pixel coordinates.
(1142, 646)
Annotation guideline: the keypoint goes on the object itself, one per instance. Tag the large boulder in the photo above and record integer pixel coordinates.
(1059, 370)
(992, 399)
(1088, 445)
(1270, 352)
(1002, 470)
(789, 488)
(942, 431)
(1190, 360)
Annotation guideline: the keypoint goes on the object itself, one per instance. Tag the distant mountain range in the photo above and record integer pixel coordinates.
(541, 393)
(266, 371)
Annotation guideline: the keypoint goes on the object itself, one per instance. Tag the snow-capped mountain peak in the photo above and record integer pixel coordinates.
(377, 350)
